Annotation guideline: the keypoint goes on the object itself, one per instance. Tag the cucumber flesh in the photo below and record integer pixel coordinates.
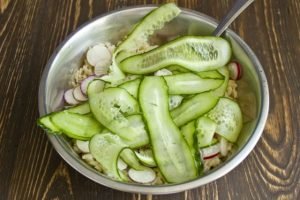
(111, 107)
(146, 157)
(46, 123)
(76, 126)
(80, 109)
(192, 52)
(214, 74)
(170, 150)
(205, 130)
(130, 158)
(189, 83)
(228, 117)
(194, 107)
(106, 149)
(153, 21)
(132, 87)
(188, 131)
(220, 91)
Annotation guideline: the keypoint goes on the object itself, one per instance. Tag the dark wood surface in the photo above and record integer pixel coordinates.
(31, 169)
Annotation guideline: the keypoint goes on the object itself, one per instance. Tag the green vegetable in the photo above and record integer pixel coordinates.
(191, 52)
(77, 126)
(205, 130)
(189, 83)
(228, 117)
(171, 152)
(112, 108)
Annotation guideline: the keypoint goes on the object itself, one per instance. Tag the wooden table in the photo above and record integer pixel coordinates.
(31, 169)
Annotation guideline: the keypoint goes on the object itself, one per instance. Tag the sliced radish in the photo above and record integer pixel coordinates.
(83, 146)
(85, 83)
(147, 175)
(163, 72)
(235, 70)
(110, 47)
(97, 54)
(69, 98)
(121, 164)
(102, 68)
(78, 95)
(210, 152)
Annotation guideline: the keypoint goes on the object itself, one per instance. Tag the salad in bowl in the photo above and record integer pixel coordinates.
(153, 112)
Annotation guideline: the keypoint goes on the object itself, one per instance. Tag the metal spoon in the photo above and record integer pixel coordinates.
(238, 7)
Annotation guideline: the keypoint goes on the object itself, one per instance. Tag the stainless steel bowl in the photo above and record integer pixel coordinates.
(254, 95)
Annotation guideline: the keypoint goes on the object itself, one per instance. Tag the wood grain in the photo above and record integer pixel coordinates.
(31, 169)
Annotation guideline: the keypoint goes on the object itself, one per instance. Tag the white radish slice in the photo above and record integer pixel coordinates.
(110, 47)
(121, 164)
(210, 152)
(102, 67)
(235, 70)
(163, 72)
(223, 146)
(147, 175)
(83, 146)
(97, 54)
(69, 98)
(85, 83)
(78, 95)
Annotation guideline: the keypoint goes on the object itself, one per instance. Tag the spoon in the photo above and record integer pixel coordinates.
(238, 7)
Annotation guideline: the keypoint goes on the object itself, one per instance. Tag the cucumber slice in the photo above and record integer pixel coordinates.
(214, 74)
(189, 83)
(146, 157)
(188, 131)
(194, 107)
(81, 127)
(111, 107)
(220, 91)
(80, 109)
(46, 124)
(132, 87)
(228, 116)
(175, 69)
(106, 149)
(192, 52)
(137, 124)
(131, 159)
(122, 81)
(171, 152)
(153, 21)
(205, 130)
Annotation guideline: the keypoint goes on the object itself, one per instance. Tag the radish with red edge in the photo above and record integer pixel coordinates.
(69, 98)
(85, 83)
(235, 70)
(210, 152)
(78, 95)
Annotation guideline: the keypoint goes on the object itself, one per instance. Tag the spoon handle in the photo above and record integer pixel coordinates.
(233, 13)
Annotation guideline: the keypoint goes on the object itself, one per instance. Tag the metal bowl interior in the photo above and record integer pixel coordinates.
(253, 90)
